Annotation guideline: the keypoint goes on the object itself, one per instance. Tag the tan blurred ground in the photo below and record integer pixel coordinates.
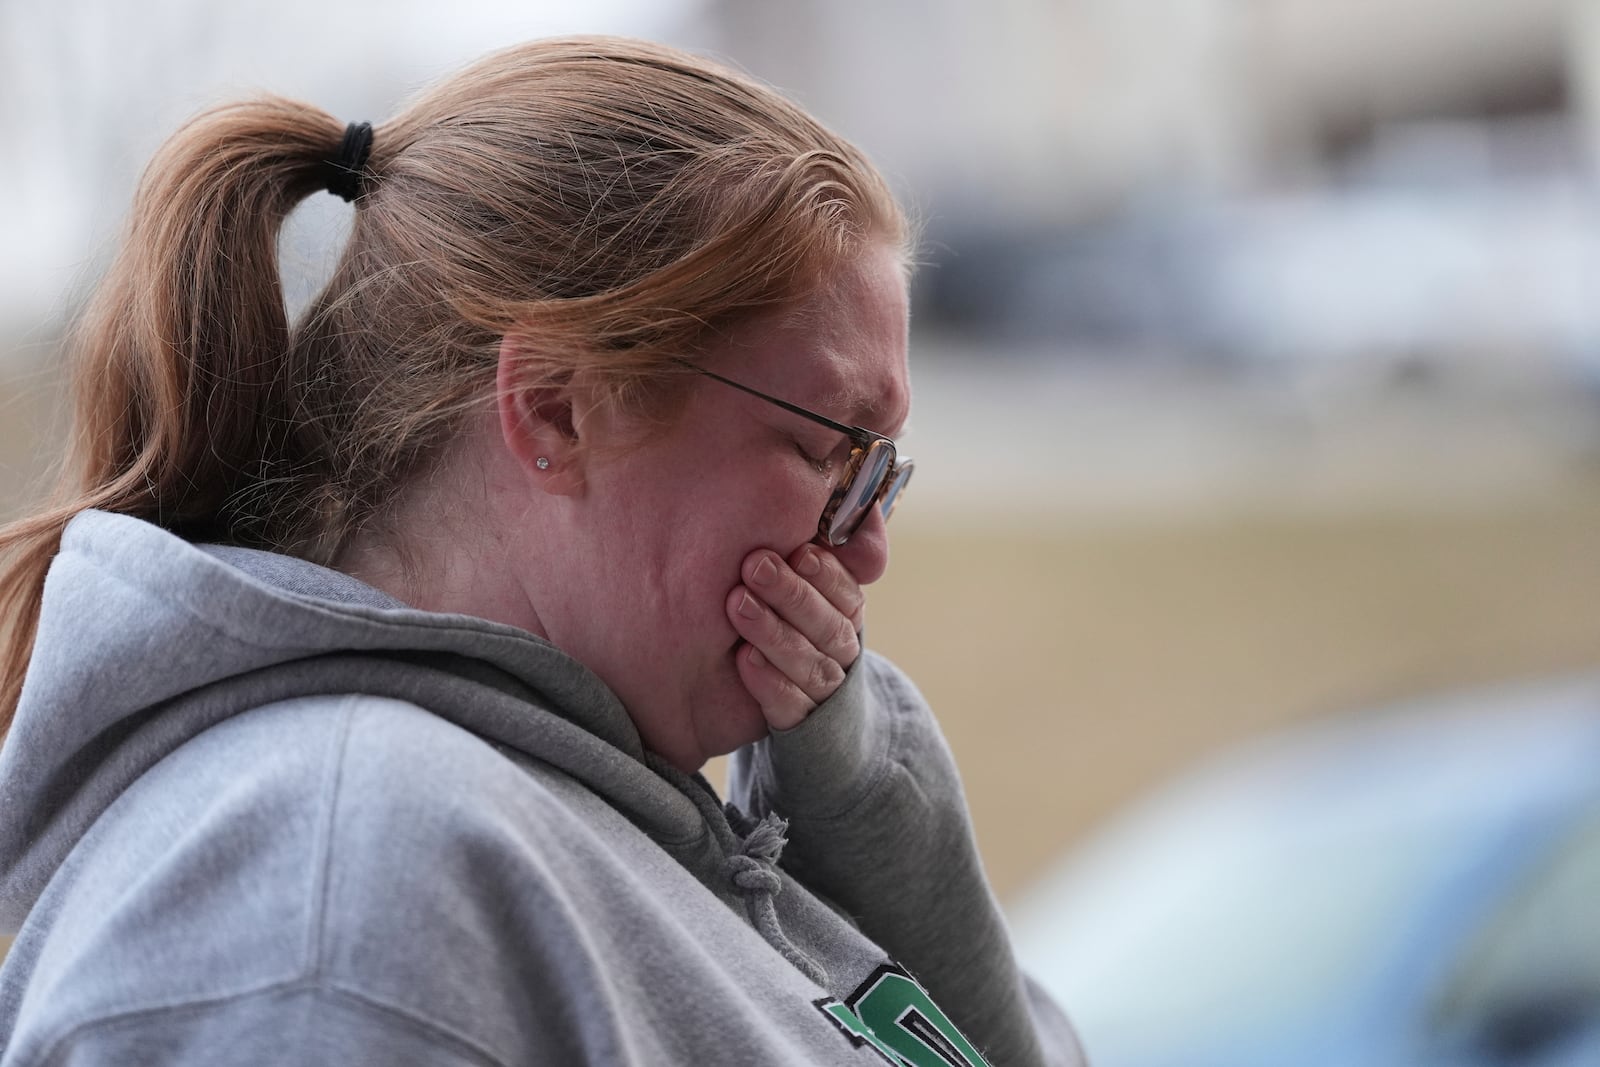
(1073, 667)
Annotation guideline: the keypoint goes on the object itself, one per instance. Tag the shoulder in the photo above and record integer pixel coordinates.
(353, 846)
(390, 802)
(333, 764)
(303, 776)
(426, 815)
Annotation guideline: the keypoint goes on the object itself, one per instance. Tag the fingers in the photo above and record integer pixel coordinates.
(828, 576)
(800, 619)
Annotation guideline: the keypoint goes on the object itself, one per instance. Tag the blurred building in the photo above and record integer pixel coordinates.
(1320, 190)
(1058, 109)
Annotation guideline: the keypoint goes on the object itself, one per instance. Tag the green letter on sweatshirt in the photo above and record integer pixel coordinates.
(895, 1015)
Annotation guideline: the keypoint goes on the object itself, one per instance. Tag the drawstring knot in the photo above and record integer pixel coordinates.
(751, 848)
(751, 876)
(753, 872)
(751, 868)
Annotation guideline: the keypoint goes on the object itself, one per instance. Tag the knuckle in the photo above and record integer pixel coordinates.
(776, 686)
(842, 588)
(844, 636)
(787, 694)
(789, 639)
(826, 675)
(794, 595)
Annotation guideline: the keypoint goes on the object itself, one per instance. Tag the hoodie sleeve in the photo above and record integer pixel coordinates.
(878, 824)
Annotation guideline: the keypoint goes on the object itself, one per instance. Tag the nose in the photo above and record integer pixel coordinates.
(866, 554)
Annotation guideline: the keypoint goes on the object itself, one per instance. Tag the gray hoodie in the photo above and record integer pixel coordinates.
(253, 811)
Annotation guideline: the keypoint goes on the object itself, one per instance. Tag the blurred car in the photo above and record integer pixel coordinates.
(1413, 886)
(1454, 249)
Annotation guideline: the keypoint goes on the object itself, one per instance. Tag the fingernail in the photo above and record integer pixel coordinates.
(810, 564)
(749, 608)
(765, 572)
(756, 658)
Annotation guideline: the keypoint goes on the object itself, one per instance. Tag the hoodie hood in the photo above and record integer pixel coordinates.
(146, 640)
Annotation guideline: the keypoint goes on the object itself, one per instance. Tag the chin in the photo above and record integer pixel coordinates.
(739, 723)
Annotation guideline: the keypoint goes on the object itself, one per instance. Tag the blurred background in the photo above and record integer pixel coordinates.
(1257, 367)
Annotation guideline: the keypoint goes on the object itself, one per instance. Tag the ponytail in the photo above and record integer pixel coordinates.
(616, 204)
(178, 360)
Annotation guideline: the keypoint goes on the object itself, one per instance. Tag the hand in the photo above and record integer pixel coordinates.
(800, 618)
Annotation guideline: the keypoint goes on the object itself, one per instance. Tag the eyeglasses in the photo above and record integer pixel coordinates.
(874, 473)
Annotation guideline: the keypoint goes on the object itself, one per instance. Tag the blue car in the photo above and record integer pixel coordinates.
(1413, 886)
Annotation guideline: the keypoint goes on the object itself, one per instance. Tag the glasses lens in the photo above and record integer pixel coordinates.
(862, 491)
(897, 484)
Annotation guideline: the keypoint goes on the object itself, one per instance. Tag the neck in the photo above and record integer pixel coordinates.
(442, 550)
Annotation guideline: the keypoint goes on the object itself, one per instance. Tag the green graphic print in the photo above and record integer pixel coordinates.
(896, 1017)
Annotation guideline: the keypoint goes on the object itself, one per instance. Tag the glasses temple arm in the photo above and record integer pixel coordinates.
(858, 435)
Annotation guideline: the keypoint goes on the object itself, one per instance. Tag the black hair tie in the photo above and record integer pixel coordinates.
(344, 173)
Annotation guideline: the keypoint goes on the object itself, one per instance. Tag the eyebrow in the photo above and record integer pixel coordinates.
(855, 402)
(863, 408)
(854, 432)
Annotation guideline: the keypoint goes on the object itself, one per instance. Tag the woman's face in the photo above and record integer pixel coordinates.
(666, 527)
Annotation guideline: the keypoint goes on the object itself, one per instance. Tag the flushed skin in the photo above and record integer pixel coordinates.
(337, 829)
(377, 651)
(635, 560)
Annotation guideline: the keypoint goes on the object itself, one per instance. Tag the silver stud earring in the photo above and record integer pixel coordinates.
(542, 463)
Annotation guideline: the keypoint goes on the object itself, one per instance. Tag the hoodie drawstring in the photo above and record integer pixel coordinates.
(751, 866)
(752, 870)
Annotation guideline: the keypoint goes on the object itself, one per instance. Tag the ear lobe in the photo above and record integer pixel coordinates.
(538, 426)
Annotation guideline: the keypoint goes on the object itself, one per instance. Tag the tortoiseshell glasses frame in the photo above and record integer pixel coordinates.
(874, 474)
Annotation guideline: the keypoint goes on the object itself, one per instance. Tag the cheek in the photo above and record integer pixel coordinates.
(714, 566)
(693, 542)
(803, 509)
(783, 516)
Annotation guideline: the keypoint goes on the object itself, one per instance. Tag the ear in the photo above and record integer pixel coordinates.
(538, 422)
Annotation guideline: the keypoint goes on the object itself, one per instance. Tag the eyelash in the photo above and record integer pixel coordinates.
(821, 466)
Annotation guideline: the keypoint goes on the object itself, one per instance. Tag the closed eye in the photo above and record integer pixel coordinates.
(821, 465)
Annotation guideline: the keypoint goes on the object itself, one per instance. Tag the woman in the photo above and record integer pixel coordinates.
(360, 715)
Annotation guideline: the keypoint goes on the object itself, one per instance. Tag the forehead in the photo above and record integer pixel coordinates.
(842, 353)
